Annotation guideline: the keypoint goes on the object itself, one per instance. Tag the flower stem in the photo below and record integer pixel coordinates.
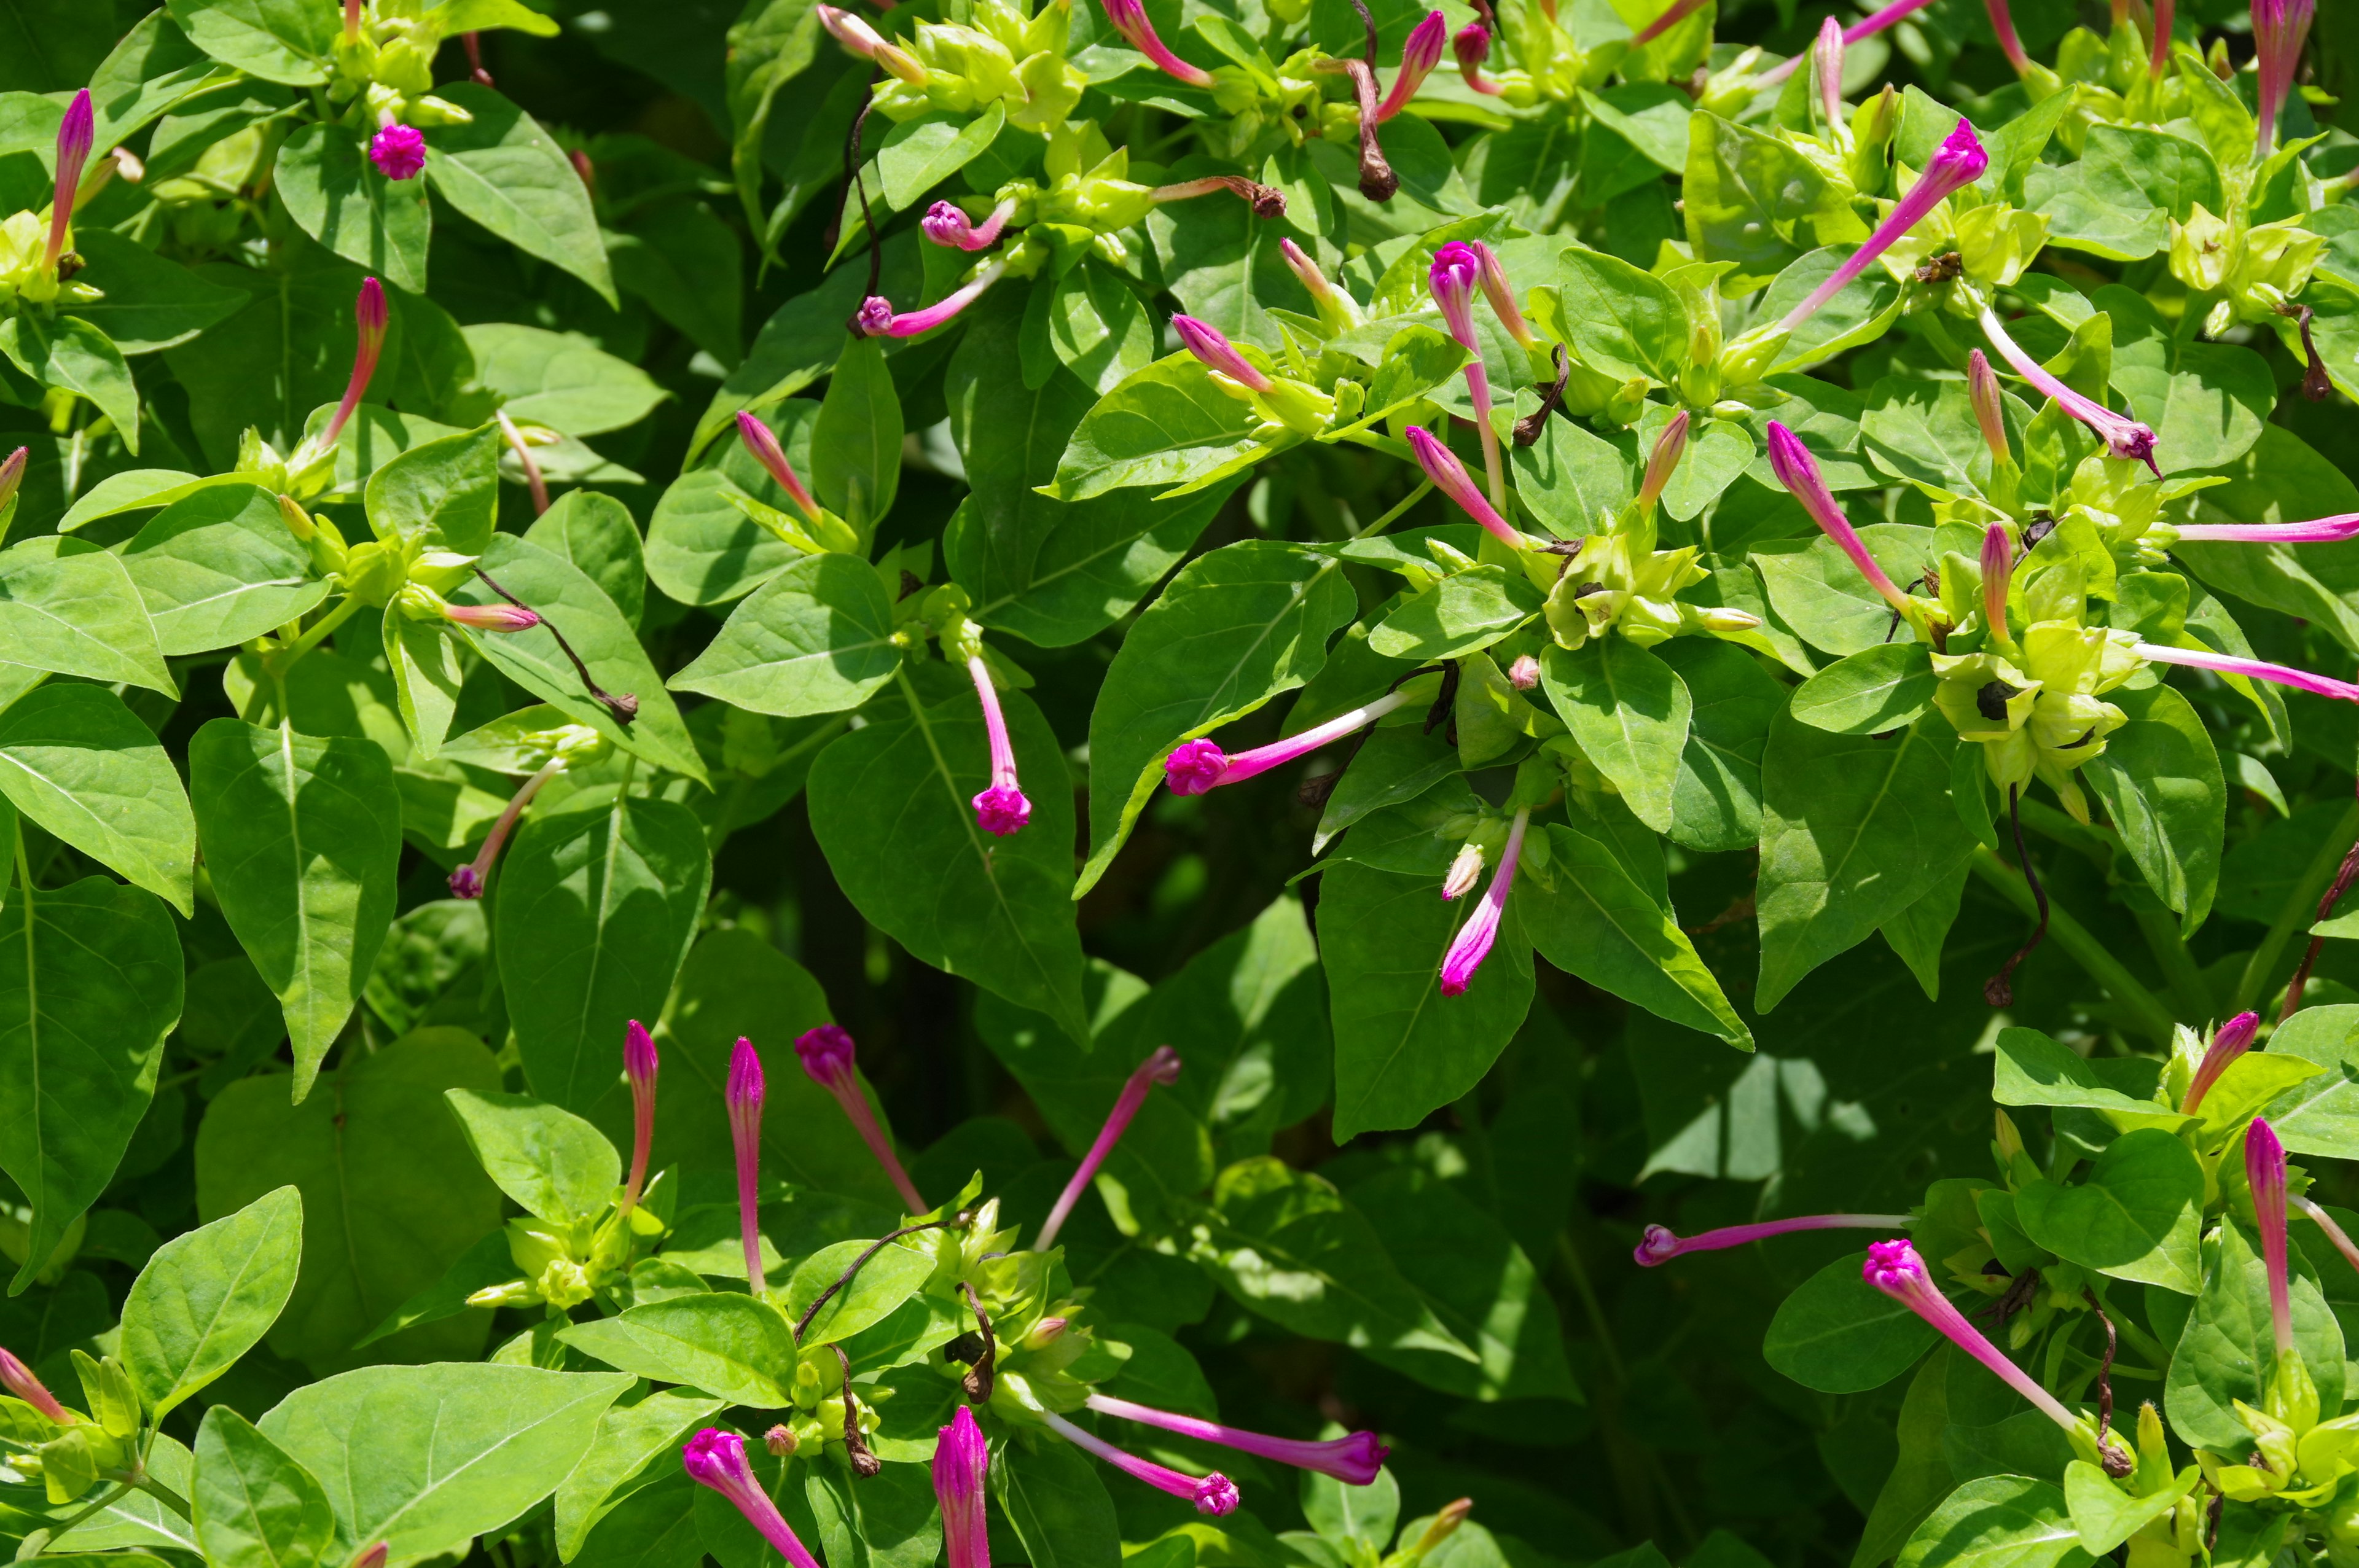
(2295, 913)
(2151, 1018)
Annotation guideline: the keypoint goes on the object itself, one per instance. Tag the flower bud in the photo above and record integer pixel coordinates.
(1213, 349)
(779, 1441)
(1465, 870)
(398, 150)
(861, 38)
(1668, 448)
(1524, 672)
(491, 617)
(1990, 413)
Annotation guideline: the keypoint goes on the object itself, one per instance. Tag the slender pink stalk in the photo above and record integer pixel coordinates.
(1419, 55)
(764, 445)
(1199, 765)
(1267, 200)
(1473, 943)
(717, 1459)
(2123, 437)
(1354, 1460)
(1457, 268)
(1501, 293)
(1865, 29)
(1129, 19)
(2264, 1171)
(1990, 411)
(1958, 164)
(1449, 476)
(2279, 30)
(2251, 670)
(962, 1468)
(1215, 1494)
(861, 39)
(18, 1379)
(878, 318)
(827, 1054)
(533, 481)
(351, 20)
(1827, 63)
(946, 224)
(476, 72)
(2158, 55)
(1998, 569)
(743, 1098)
(2334, 1233)
(2003, 24)
(1660, 1243)
(1664, 459)
(1472, 47)
(370, 319)
(1798, 472)
(2320, 531)
(1212, 349)
(1161, 1067)
(76, 134)
(469, 880)
(2229, 1041)
(1001, 808)
(639, 1064)
(1680, 11)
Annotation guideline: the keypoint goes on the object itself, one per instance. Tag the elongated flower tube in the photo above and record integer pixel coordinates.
(1267, 200)
(1660, 1243)
(877, 317)
(2123, 437)
(1680, 11)
(827, 1055)
(640, 1063)
(1826, 63)
(1354, 1460)
(717, 1459)
(370, 319)
(1334, 305)
(1129, 19)
(1473, 943)
(1201, 766)
(764, 445)
(1001, 808)
(1664, 459)
(1472, 47)
(1212, 349)
(469, 880)
(962, 1467)
(1798, 472)
(2229, 1041)
(1958, 164)
(2334, 1233)
(2319, 531)
(398, 150)
(2264, 1170)
(1450, 477)
(856, 35)
(1893, 1268)
(2251, 670)
(18, 1379)
(533, 481)
(1866, 27)
(2003, 24)
(76, 132)
(1502, 293)
(946, 224)
(2158, 55)
(1419, 55)
(352, 20)
(743, 1098)
(1990, 409)
(1457, 268)
(1161, 1067)
(492, 617)
(1215, 1494)
(2279, 30)
(1998, 567)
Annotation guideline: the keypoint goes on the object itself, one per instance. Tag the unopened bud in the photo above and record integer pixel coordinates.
(298, 522)
(370, 1556)
(1044, 1331)
(1445, 1524)
(2010, 1141)
(1465, 870)
(779, 1441)
(492, 617)
(1524, 674)
(1720, 618)
(1668, 448)
(1982, 384)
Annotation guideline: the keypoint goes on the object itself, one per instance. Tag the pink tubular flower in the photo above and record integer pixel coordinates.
(1450, 477)
(743, 1098)
(76, 134)
(1129, 19)
(352, 19)
(1199, 765)
(1990, 412)
(865, 41)
(1215, 1494)
(1161, 1067)
(2123, 437)
(398, 150)
(1354, 1460)
(1798, 472)
(1679, 11)
(961, 1466)
(1212, 347)
(1473, 943)
(1998, 568)
(1419, 55)
(369, 321)
(491, 617)
(2334, 1233)
(639, 1064)
(717, 1459)
(827, 1055)
(1668, 448)
(1958, 164)
(2321, 531)
(1457, 269)
(878, 319)
(1660, 1245)
(1002, 808)
(2159, 55)
(764, 445)
(468, 880)
(946, 224)
(2003, 24)
(2264, 1171)
(2229, 1041)
(1868, 27)
(1472, 47)
(18, 1379)
(2251, 670)
(2280, 28)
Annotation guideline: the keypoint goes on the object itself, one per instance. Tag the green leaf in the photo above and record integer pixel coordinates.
(1818, 591)
(2207, 402)
(817, 638)
(70, 354)
(1859, 312)
(1717, 800)
(723, 1343)
(2104, 1517)
(563, 380)
(1625, 322)
(1840, 1335)
(1167, 424)
(2228, 1350)
(1998, 1521)
(79, 762)
(150, 303)
(2136, 1215)
(1463, 612)
(896, 793)
(1598, 923)
(595, 533)
(1883, 688)
(2320, 1115)
(633, 1442)
(2117, 200)
(888, 1520)
(255, 1506)
(277, 41)
(340, 199)
(1267, 608)
(1751, 199)
(1628, 712)
(894, 1275)
(1569, 477)
(2159, 779)
(594, 910)
(2035, 1070)
(856, 446)
(1097, 327)
(78, 614)
(703, 548)
(918, 155)
(425, 1459)
(1058, 1507)
(302, 837)
(1928, 432)
(90, 984)
(218, 568)
(208, 1296)
(424, 658)
(506, 173)
(443, 495)
(556, 1166)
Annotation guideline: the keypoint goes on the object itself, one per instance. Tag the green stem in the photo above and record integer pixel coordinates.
(319, 631)
(2295, 913)
(161, 1493)
(1424, 489)
(2149, 1016)
(2092, 843)
(105, 1502)
(2180, 970)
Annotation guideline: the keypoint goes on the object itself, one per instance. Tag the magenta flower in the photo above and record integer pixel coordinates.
(1212, 349)
(961, 1466)
(18, 1379)
(743, 1098)
(398, 150)
(76, 134)
(1865, 29)
(1679, 11)
(826, 1054)
(1354, 1460)
(2009, 45)
(2280, 28)
(1472, 47)
(491, 617)
(1449, 476)
(1826, 62)
(717, 1459)
(1958, 164)
(639, 1064)
(1668, 448)
(2123, 437)
(1129, 19)
(2320, 531)
(1199, 765)
(1990, 412)
(1161, 1067)
(2264, 1171)
(2229, 1041)
(1660, 1245)
(2251, 670)
(878, 318)
(469, 880)
(1457, 269)
(1798, 472)
(946, 224)
(764, 445)
(369, 321)
(1998, 568)
(1419, 55)
(1002, 808)
(1473, 943)
(1215, 1494)
(865, 41)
